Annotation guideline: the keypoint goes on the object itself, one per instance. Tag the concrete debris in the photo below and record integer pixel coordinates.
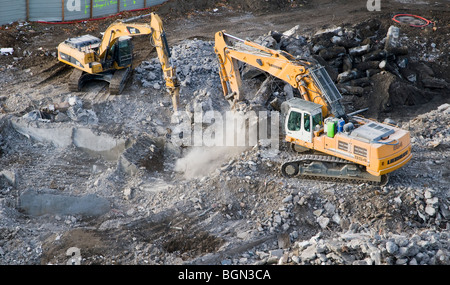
(70, 110)
(65, 135)
(392, 38)
(342, 219)
(36, 204)
(6, 51)
(145, 153)
(7, 178)
(359, 51)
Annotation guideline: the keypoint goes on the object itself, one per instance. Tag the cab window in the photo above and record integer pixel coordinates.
(317, 120)
(294, 121)
(307, 122)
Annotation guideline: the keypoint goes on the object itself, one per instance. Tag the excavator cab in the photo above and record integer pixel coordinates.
(122, 52)
(304, 118)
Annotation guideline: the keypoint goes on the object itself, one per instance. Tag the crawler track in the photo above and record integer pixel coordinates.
(76, 80)
(53, 73)
(325, 167)
(119, 80)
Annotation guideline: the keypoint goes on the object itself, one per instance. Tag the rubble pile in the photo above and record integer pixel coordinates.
(370, 66)
(432, 129)
(197, 71)
(425, 248)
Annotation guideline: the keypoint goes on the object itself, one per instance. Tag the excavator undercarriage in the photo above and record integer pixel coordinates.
(306, 163)
(117, 80)
(327, 167)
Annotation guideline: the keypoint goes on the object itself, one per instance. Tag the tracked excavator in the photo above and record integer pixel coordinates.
(327, 142)
(110, 58)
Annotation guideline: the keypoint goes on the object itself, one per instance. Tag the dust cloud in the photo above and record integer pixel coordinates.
(201, 161)
(227, 137)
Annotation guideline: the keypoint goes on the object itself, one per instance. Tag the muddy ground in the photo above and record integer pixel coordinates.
(142, 211)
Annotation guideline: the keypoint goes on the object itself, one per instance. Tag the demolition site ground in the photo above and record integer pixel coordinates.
(102, 181)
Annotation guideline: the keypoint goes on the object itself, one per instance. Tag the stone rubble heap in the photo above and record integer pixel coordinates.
(425, 248)
(197, 71)
(433, 128)
(364, 60)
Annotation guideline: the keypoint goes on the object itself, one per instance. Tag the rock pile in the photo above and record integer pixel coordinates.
(365, 61)
(197, 71)
(425, 248)
(240, 211)
(432, 129)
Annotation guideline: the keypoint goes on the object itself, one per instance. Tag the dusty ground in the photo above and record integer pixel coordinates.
(235, 214)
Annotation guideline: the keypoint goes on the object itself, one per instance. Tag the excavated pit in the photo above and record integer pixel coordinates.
(68, 155)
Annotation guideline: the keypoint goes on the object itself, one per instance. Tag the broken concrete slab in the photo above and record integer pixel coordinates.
(348, 75)
(106, 145)
(57, 134)
(7, 177)
(36, 203)
(392, 38)
(67, 134)
(360, 50)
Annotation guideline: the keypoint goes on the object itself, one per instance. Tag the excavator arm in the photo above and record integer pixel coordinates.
(159, 40)
(311, 79)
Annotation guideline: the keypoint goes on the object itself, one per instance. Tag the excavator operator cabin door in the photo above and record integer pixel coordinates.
(299, 126)
(123, 51)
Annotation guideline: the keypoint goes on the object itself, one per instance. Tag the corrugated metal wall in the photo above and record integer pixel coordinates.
(12, 11)
(76, 10)
(66, 10)
(44, 10)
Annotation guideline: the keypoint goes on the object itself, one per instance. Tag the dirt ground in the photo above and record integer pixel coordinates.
(196, 221)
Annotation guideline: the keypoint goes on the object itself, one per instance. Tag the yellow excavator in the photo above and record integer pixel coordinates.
(110, 58)
(327, 142)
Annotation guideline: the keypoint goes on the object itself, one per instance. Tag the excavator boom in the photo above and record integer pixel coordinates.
(308, 77)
